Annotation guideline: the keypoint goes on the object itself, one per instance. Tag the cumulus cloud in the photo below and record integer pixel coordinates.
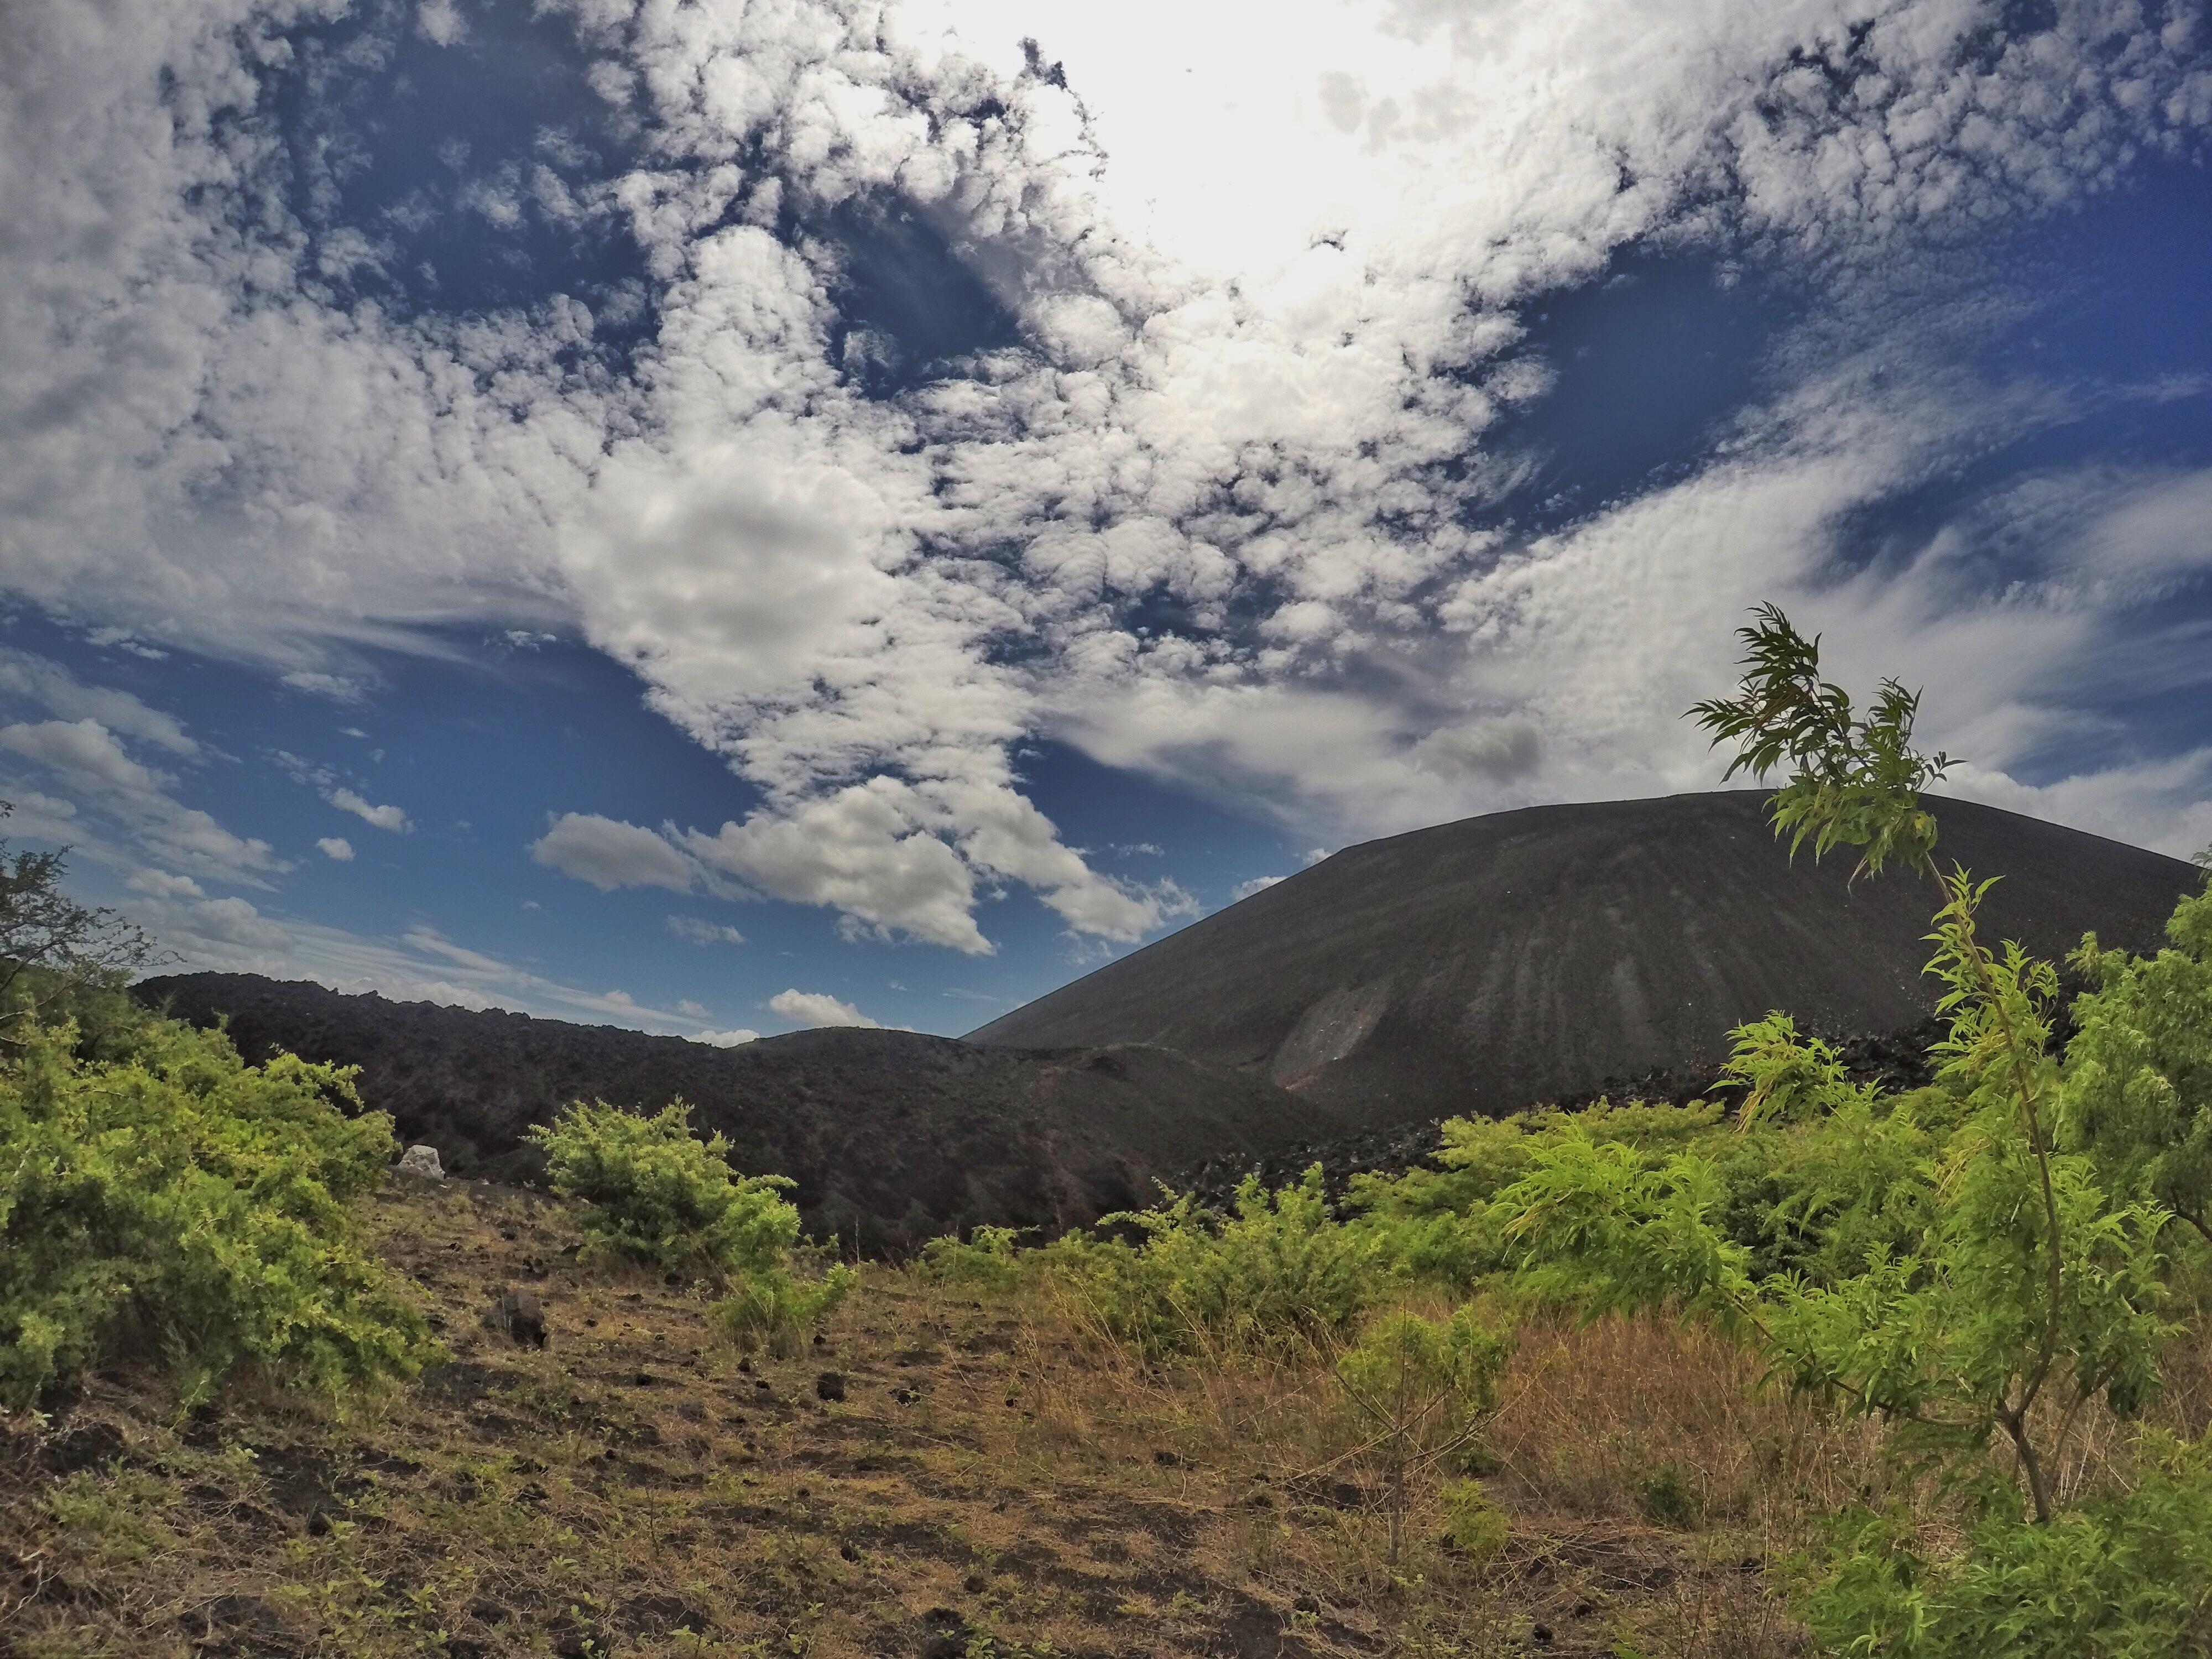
(337, 847)
(861, 851)
(84, 749)
(128, 813)
(609, 854)
(160, 884)
(52, 687)
(724, 1039)
(813, 1008)
(382, 817)
(1244, 890)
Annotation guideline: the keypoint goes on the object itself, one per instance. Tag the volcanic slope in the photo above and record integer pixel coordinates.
(893, 1137)
(1548, 953)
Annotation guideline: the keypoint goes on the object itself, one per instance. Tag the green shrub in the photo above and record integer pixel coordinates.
(1666, 1497)
(774, 1309)
(656, 1194)
(1280, 1271)
(2137, 1094)
(177, 1202)
(987, 1261)
(1477, 1528)
(2126, 1574)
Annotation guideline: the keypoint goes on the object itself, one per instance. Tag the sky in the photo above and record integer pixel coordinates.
(724, 518)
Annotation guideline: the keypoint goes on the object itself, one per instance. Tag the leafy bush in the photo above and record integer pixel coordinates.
(1278, 1272)
(1444, 1224)
(1666, 1497)
(988, 1259)
(2125, 1575)
(1477, 1528)
(655, 1193)
(774, 1309)
(179, 1202)
(2137, 1093)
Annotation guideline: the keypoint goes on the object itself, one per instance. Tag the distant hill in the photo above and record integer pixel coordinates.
(1548, 953)
(892, 1136)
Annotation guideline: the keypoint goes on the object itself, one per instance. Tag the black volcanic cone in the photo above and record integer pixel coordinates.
(1548, 953)
(893, 1137)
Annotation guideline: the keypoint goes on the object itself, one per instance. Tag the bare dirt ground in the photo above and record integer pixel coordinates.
(948, 1473)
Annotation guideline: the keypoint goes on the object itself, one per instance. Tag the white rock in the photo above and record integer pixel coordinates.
(421, 1161)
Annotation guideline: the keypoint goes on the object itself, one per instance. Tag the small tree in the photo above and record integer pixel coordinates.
(2004, 1283)
(2077, 1291)
(1424, 1389)
(51, 945)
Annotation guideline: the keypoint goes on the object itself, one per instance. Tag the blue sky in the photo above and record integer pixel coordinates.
(725, 519)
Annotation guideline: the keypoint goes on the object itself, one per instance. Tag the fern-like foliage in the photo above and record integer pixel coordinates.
(1854, 781)
(1277, 1272)
(2136, 1093)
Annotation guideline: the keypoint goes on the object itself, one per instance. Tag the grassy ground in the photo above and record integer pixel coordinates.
(978, 1481)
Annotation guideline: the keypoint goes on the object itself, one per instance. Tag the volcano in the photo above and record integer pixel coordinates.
(1553, 952)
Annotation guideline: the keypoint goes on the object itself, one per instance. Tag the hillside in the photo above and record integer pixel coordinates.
(893, 1137)
(1548, 953)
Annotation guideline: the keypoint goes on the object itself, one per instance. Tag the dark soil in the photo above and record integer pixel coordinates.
(1559, 952)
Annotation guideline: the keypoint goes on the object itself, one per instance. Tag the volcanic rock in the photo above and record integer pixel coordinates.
(892, 1136)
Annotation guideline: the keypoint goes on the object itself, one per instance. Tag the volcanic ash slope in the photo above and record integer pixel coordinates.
(1548, 953)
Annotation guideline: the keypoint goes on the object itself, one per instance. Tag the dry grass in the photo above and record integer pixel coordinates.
(994, 1480)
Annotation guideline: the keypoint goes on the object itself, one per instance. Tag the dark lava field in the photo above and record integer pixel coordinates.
(1526, 957)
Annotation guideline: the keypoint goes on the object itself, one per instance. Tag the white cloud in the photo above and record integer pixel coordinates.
(609, 854)
(699, 930)
(860, 850)
(441, 22)
(1244, 890)
(210, 931)
(808, 1009)
(54, 688)
(133, 818)
(85, 749)
(691, 1010)
(724, 1039)
(383, 818)
(337, 847)
(338, 688)
(160, 884)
